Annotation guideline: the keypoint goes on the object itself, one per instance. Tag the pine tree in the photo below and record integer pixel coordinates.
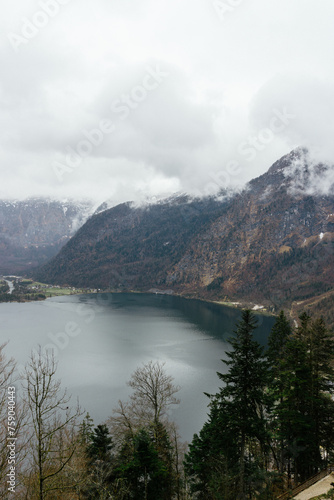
(301, 385)
(101, 444)
(100, 463)
(279, 336)
(244, 390)
(237, 417)
(142, 468)
(211, 464)
(320, 353)
(86, 430)
(293, 410)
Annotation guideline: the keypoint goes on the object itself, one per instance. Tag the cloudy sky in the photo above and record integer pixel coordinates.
(125, 99)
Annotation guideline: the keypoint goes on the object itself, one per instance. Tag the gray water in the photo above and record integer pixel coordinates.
(99, 340)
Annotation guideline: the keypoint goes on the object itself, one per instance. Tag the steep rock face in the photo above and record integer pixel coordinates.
(272, 243)
(131, 248)
(33, 231)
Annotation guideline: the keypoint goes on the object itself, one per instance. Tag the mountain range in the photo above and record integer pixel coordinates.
(34, 230)
(270, 245)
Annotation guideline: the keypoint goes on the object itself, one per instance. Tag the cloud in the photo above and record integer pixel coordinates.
(310, 100)
(225, 77)
(307, 176)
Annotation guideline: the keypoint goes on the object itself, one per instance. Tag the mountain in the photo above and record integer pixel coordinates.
(274, 244)
(271, 244)
(129, 247)
(34, 230)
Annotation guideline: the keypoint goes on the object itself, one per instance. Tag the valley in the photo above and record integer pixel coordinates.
(267, 247)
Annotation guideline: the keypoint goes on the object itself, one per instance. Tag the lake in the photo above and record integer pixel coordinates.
(100, 339)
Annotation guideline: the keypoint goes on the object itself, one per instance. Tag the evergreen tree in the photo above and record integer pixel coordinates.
(142, 468)
(238, 417)
(100, 464)
(101, 444)
(320, 354)
(212, 461)
(244, 390)
(301, 385)
(279, 336)
(293, 410)
(86, 430)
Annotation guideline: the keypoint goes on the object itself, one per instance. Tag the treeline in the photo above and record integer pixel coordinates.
(271, 425)
(20, 297)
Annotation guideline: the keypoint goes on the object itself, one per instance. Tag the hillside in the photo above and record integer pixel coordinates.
(34, 230)
(272, 244)
(131, 248)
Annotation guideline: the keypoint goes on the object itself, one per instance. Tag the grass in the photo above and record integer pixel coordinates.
(51, 291)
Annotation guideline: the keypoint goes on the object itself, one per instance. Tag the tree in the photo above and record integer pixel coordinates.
(100, 464)
(153, 390)
(245, 396)
(319, 346)
(146, 472)
(301, 385)
(237, 422)
(211, 464)
(278, 339)
(53, 424)
(86, 430)
(292, 410)
(146, 416)
(11, 422)
(100, 445)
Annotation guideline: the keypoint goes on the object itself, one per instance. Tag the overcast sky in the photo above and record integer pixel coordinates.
(126, 99)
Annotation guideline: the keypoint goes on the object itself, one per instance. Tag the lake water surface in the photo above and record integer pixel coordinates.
(99, 340)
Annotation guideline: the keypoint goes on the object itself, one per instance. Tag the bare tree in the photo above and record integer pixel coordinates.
(12, 422)
(147, 411)
(154, 391)
(53, 426)
(7, 368)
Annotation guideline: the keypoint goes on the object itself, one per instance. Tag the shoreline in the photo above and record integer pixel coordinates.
(232, 305)
(258, 309)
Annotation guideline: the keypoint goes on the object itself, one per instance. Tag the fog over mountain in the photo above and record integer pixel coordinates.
(132, 100)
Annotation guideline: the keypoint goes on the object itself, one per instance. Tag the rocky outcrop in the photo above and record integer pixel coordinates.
(274, 244)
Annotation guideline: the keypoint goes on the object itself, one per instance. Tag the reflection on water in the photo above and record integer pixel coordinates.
(115, 333)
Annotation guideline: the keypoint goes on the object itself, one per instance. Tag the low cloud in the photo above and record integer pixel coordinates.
(306, 176)
(311, 101)
(204, 124)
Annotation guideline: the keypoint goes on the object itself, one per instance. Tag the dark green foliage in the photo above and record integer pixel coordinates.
(271, 425)
(236, 422)
(100, 463)
(142, 468)
(279, 335)
(101, 444)
(212, 461)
